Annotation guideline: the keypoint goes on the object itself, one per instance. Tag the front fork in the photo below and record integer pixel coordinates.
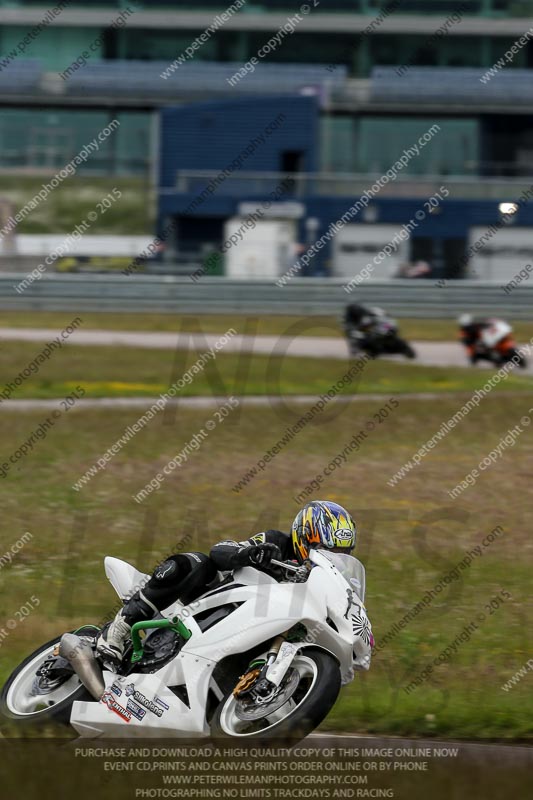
(257, 669)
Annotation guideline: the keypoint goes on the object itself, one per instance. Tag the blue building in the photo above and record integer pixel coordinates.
(220, 159)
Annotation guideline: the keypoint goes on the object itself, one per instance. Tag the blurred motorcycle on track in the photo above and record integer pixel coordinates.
(490, 340)
(372, 332)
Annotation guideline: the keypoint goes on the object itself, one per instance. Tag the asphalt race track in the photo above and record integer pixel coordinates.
(429, 354)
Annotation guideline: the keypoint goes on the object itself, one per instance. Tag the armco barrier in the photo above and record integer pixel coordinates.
(302, 296)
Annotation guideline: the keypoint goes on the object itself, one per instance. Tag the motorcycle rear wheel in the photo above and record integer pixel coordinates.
(21, 709)
(317, 691)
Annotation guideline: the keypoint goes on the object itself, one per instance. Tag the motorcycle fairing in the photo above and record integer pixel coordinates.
(124, 578)
(264, 609)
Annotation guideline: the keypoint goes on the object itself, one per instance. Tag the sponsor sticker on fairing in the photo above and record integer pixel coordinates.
(136, 710)
(131, 691)
(111, 703)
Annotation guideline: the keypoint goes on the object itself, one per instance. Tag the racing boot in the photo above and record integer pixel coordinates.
(111, 642)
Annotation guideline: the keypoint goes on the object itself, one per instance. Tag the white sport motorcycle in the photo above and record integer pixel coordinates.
(254, 657)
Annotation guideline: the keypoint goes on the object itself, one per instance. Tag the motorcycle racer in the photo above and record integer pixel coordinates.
(319, 524)
(184, 577)
(470, 330)
(360, 318)
(491, 340)
(371, 331)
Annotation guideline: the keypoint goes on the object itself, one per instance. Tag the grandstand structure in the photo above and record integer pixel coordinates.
(368, 78)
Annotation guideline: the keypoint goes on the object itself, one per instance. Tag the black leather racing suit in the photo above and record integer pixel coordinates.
(225, 555)
(186, 576)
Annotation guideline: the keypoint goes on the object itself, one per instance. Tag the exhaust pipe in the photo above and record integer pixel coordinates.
(79, 653)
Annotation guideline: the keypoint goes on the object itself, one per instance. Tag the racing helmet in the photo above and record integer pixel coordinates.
(322, 523)
(464, 320)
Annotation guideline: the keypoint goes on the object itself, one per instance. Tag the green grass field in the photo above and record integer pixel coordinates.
(132, 372)
(409, 536)
(424, 329)
(74, 198)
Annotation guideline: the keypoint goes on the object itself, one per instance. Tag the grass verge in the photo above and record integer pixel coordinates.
(409, 537)
(131, 372)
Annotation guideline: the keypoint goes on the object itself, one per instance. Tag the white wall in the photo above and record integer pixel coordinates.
(43, 244)
(265, 251)
(501, 257)
(356, 245)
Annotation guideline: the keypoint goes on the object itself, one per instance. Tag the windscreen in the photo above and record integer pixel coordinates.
(351, 570)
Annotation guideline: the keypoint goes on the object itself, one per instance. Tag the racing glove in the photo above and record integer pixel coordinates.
(259, 555)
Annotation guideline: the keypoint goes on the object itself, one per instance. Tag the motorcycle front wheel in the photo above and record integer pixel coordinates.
(317, 688)
(518, 358)
(406, 349)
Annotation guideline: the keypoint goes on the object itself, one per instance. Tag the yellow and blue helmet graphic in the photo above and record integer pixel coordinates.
(322, 523)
